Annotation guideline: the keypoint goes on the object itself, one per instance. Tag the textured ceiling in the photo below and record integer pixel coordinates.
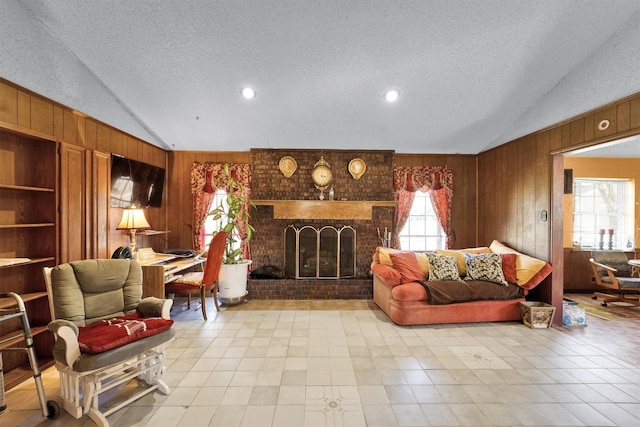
(471, 74)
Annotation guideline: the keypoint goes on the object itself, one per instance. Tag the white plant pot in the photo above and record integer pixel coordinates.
(232, 280)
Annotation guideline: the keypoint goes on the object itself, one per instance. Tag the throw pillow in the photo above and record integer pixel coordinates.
(442, 267)
(424, 263)
(486, 267)
(530, 271)
(382, 255)
(407, 265)
(509, 267)
(458, 256)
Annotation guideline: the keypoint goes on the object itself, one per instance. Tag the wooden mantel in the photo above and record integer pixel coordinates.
(323, 209)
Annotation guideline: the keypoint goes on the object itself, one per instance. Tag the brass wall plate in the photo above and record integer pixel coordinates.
(288, 166)
(357, 167)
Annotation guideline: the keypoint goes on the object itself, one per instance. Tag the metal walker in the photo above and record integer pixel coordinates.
(50, 409)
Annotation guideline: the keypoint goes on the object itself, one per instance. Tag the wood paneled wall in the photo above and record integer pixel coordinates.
(21, 107)
(520, 180)
(180, 200)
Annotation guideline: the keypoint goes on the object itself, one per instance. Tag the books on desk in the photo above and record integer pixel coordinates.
(147, 256)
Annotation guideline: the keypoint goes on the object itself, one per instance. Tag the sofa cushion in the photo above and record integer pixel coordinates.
(407, 292)
(458, 256)
(485, 267)
(530, 271)
(108, 334)
(382, 255)
(442, 267)
(388, 274)
(478, 250)
(406, 263)
(424, 263)
(509, 267)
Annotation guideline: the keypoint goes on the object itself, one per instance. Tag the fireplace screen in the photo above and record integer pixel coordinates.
(326, 252)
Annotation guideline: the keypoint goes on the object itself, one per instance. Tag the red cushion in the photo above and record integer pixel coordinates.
(509, 267)
(108, 334)
(388, 274)
(406, 263)
(538, 277)
(409, 292)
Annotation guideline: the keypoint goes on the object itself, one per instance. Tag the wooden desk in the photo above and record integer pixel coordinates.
(156, 275)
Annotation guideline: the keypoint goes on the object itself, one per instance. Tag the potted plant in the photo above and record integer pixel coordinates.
(232, 280)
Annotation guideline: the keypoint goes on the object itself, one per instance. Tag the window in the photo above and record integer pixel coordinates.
(210, 225)
(422, 231)
(602, 204)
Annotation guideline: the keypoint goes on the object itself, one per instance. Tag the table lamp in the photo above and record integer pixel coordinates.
(133, 219)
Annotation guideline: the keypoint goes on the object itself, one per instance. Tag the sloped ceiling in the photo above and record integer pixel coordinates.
(471, 74)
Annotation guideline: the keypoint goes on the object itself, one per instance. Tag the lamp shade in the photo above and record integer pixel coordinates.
(133, 219)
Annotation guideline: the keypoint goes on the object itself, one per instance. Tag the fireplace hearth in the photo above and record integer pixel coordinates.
(310, 289)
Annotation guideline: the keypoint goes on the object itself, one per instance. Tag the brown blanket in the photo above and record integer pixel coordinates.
(453, 291)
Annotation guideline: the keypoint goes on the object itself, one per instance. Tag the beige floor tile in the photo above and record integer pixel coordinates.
(195, 416)
(237, 395)
(379, 416)
(340, 363)
(287, 415)
(409, 414)
(292, 395)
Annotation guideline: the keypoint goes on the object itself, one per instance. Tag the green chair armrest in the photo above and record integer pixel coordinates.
(155, 307)
(66, 349)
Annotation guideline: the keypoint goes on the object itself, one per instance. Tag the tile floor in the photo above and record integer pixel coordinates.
(343, 363)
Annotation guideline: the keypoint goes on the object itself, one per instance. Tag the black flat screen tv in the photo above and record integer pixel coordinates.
(134, 183)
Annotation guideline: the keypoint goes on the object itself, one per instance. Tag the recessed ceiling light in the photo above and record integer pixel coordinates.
(248, 92)
(391, 95)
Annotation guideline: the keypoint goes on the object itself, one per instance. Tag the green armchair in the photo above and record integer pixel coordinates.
(106, 333)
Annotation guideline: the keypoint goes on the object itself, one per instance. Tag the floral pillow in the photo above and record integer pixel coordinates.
(442, 267)
(486, 267)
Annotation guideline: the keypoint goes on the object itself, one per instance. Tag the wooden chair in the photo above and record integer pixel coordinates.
(611, 270)
(202, 282)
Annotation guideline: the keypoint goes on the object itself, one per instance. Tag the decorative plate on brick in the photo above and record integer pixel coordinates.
(288, 166)
(357, 167)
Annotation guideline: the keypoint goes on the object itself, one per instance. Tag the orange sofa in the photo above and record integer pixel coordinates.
(401, 281)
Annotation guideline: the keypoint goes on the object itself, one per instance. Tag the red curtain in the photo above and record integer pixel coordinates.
(436, 179)
(206, 179)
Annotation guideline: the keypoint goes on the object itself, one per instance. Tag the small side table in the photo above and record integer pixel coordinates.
(635, 267)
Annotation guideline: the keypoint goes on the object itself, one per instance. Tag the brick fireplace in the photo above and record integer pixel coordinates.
(364, 204)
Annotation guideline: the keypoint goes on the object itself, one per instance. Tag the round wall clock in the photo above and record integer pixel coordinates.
(321, 175)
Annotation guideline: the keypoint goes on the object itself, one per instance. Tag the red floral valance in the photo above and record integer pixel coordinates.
(208, 177)
(422, 178)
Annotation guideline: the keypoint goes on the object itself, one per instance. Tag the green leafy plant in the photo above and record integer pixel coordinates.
(230, 212)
